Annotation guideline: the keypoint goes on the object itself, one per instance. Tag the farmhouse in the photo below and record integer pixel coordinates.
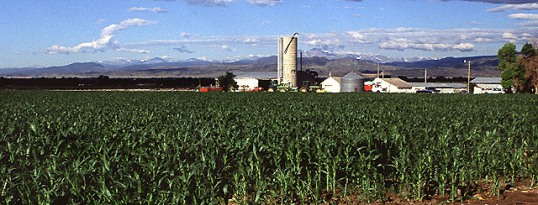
(487, 85)
(331, 84)
(392, 85)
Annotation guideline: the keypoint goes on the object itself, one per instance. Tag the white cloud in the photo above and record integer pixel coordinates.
(186, 35)
(475, 23)
(501, 1)
(140, 51)
(431, 39)
(264, 2)
(229, 2)
(324, 43)
(529, 23)
(527, 6)
(524, 16)
(149, 10)
(357, 36)
(402, 44)
(364, 40)
(210, 2)
(104, 41)
(251, 41)
(464, 47)
(483, 40)
(226, 48)
(532, 19)
(510, 37)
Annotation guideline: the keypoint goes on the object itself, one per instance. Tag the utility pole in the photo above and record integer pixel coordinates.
(425, 76)
(468, 76)
(378, 69)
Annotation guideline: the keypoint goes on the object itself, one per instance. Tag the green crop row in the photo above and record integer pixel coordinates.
(265, 148)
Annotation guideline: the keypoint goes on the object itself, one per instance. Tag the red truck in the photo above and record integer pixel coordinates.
(210, 89)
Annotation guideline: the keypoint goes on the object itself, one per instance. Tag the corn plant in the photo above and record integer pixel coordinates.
(259, 148)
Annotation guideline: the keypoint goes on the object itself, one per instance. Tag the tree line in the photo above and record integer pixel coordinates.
(519, 70)
(104, 82)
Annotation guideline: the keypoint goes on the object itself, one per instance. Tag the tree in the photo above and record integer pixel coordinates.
(507, 54)
(227, 81)
(531, 72)
(528, 50)
(513, 73)
(530, 61)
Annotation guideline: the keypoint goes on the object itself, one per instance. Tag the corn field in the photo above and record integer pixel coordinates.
(260, 148)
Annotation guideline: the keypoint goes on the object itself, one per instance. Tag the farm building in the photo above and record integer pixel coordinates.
(352, 83)
(331, 84)
(392, 85)
(251, 80)
(487, 85)
(441, 87)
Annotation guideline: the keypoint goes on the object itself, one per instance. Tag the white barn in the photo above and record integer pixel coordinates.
(331, 84)
(392, 85)
(250, 80)
(487, 85)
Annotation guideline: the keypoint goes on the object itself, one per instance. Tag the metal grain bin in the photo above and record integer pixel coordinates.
(352, 83)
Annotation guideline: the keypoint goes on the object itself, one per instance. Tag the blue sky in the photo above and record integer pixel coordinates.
(59, 32)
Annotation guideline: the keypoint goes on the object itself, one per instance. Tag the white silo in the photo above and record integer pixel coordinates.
(287, 60)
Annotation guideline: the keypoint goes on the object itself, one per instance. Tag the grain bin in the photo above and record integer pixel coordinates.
(352, 83)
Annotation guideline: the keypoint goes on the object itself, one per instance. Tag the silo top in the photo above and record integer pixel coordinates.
(352, 76)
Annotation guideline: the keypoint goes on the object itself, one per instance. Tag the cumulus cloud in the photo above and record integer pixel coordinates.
(104, 41)
(510, 36)
(228, 2)
(357, 36)
(528, 6)
(483, 40)
(251, 41)
(524, 16)
(210, 2)
(529, 23)
(149, 10)
(264, 2)
(464, 47)
(475, 23)
(402, 44)
(140, 51)
(401, 39)
(532, 19)
(397, 39)
(226, 48)
(323, 42)
(501, 1)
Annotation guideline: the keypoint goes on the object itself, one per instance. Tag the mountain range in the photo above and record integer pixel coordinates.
(324, 63)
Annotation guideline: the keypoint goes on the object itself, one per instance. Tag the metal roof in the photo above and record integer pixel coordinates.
(399, 83)
(440, 85)
(352, 76)
(486, 80)
(337, 79)
(258, 75)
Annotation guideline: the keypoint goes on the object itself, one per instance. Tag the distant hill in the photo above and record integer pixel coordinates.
(157, 67)
(477, 63)
(56, 71)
